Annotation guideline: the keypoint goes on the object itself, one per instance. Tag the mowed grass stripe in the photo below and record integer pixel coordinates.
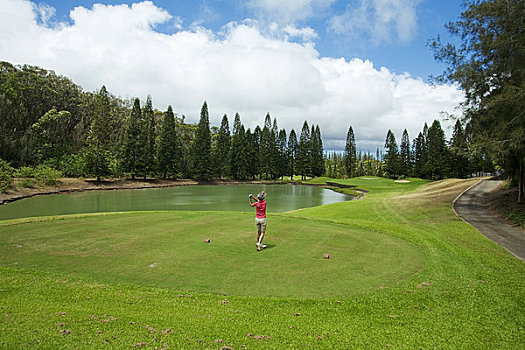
(167, 249)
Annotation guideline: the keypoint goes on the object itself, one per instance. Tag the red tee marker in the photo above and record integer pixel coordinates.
(207, 240)
(326, 256)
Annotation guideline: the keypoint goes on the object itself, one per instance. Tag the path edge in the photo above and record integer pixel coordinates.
(459, 196)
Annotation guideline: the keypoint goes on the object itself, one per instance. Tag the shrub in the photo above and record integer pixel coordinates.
(25, 172)
(6, 175)
(70, 165)
(48, 176)
(27, 183)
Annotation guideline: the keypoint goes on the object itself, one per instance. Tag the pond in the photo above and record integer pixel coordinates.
(280, 198)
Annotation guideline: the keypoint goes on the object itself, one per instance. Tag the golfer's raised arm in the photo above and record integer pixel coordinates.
(250, 196)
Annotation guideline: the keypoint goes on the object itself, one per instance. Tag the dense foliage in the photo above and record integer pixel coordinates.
(488, 65)
(429, 157)
(47, 120)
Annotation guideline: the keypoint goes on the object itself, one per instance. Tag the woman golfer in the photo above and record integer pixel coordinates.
(260, 217)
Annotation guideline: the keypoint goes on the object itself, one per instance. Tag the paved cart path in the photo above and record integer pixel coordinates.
(469, 206)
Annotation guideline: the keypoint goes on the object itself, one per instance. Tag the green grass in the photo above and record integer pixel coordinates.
(167, 249)
(467, 293)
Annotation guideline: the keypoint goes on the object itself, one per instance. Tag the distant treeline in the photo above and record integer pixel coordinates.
(429, 156)
(48, 121)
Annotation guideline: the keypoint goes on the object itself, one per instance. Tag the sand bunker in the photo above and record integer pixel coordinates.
(402, 181)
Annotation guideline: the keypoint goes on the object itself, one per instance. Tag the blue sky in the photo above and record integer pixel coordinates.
(410, 56)
(359, 63)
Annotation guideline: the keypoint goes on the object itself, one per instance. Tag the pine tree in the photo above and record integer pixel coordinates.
(459, 150)
(276, 155)
(239, 162)
(318, 168)
(97, 153)
(131, 153)
(256, 145)
(404, 155)
(201, 150)
(304, 152)
(360, 166)
(251, 155)
(282, 168)
(222, 150)
(268, 149)
(292, 153)
(169, 151)
(350, 158)
(437, 166)
(392, 155)
(419, 153)
(149, 155)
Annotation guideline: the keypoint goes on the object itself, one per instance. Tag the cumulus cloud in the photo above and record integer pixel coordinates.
(305, 33)
(238, 69)
(379, 20)
(289, 11)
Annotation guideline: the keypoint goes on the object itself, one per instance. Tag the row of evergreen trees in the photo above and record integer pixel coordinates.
(174, 149)
(48, 120)
(430, 156)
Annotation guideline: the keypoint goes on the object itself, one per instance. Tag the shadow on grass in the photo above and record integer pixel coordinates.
(269, 246)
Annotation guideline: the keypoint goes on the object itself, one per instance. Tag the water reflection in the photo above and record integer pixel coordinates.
(280, 198)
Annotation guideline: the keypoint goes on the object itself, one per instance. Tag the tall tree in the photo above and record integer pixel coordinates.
(268, 148)
(149, 120)
(250, 155)
(282, 168)
(350, 158)
(304, 152)
(132, 152)
(238, 158)
(392, 155)
(222, 150)
(292, 153)
(169, 152)
(488, 65)
(202, 168)
(317, 152)
(459, 150)
(97, 153)
(49, 136)
(404, 155)
(419, 153)
(437, 166)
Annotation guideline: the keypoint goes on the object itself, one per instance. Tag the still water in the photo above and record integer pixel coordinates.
(280, 198)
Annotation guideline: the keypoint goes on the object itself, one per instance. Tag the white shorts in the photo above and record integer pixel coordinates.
(261, 224)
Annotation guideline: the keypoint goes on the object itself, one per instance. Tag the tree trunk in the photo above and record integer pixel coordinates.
(521, 196)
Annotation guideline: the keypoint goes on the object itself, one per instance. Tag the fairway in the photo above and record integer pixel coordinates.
(167, 249)
(403, 272)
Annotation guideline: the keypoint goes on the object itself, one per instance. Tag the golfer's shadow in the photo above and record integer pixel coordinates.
(270, 246)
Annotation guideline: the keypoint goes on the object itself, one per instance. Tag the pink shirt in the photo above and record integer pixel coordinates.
(261, 209)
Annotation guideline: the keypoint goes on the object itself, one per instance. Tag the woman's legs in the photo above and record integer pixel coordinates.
(261, 230)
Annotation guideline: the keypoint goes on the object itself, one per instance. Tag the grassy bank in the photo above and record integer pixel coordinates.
(86, 281)
(504, 203)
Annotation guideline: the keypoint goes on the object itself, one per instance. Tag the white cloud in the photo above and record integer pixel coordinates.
(237, 70)
(305, 33)
(289, 11)
(378, 20)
